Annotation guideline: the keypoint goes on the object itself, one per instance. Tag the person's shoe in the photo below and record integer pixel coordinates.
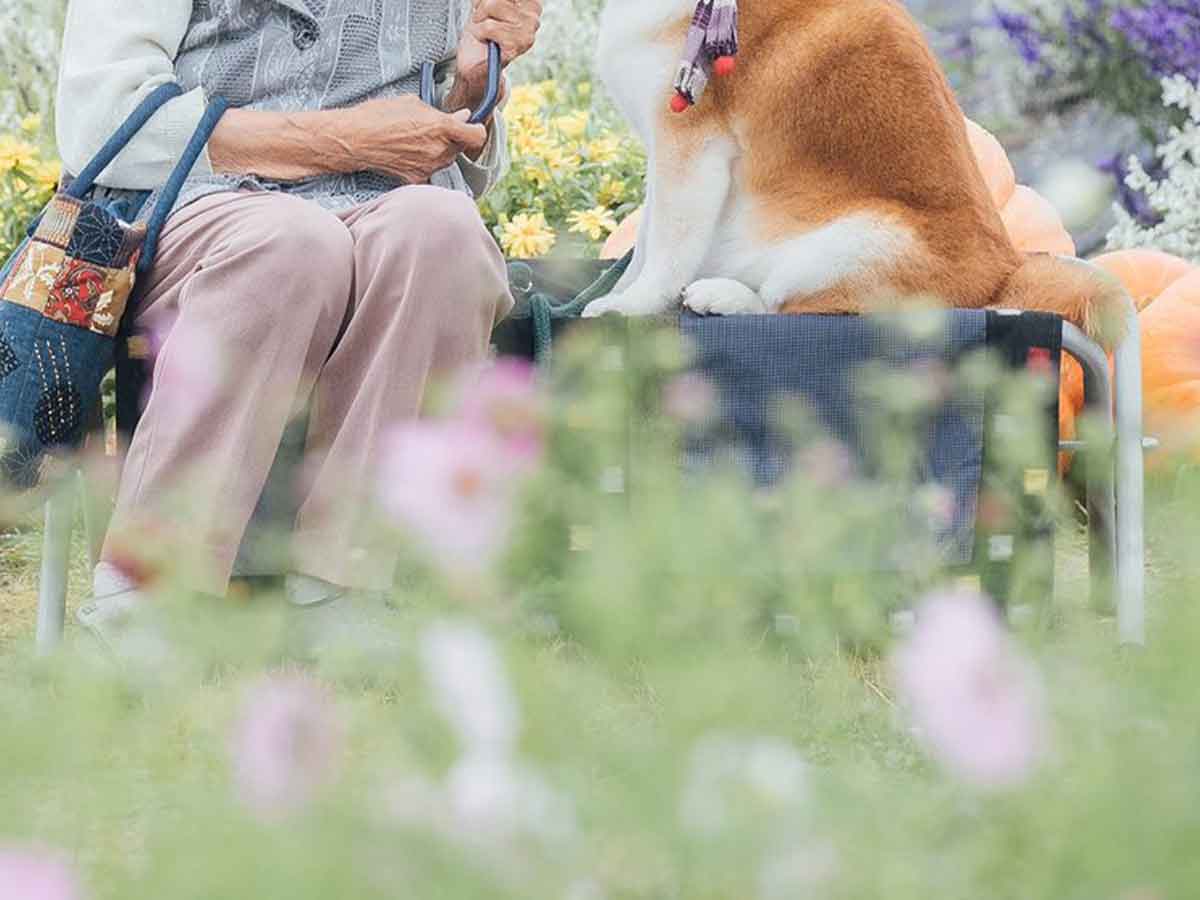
(121, 623)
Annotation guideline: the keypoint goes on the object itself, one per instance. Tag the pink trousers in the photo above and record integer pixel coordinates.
(260, 303)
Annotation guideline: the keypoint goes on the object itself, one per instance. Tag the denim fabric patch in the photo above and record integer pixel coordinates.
(9, 362)
(58, 415)
(98, 237)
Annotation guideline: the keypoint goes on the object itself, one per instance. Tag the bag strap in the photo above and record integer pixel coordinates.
(145, 110)
(170, 191)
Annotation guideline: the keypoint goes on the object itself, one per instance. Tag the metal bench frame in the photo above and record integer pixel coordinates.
(1115, 496)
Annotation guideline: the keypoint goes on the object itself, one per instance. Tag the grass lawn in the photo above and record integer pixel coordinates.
(20, 559)
(21, 549)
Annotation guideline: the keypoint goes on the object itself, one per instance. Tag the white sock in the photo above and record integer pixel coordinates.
(107, 580)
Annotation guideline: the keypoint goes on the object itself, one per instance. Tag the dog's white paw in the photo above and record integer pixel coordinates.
(722, 297)
(633, 302)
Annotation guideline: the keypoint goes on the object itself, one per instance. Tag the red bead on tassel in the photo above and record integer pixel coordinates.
(679, 103)
(724, 65)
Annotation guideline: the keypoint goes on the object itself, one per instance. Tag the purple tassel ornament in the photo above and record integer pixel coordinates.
(711, 48)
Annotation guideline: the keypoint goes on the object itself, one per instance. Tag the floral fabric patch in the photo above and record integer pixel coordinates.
(33, 275)
(79, 267)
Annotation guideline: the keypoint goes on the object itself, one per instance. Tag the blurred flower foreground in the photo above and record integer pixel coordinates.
(608, 675)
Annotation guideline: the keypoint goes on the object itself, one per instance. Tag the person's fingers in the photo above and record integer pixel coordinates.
(471, 137)
(514, 40)
(500, 10)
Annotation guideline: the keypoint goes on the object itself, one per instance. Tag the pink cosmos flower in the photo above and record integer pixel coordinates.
(827, 463)
(504, 396)
(451, 485)
(31, 873)
(975, 698)
(286, 744)
(690, 399)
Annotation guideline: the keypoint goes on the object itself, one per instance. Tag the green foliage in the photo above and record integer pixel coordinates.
(27, 181)
(704, 708)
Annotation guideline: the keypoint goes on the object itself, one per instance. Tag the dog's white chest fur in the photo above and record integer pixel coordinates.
(634, 65)
(697, 242)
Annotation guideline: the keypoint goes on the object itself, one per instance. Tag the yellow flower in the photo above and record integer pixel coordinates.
(31, 124)
(611, 191)
(525, 102)
(604, 150)
(15, 153)
(559, 160)
(572, 125)
(550, 90)
(525, 142)
(539, 176)
(527, 236)
(47, 173)
(584, 88)
(595, 223)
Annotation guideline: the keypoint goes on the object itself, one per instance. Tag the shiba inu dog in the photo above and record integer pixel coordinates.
(828, 172)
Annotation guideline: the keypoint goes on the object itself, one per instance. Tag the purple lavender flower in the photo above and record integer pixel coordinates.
(1164, 33)
(1024, 33)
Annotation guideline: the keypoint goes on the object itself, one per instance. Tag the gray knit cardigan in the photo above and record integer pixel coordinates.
(260, 54)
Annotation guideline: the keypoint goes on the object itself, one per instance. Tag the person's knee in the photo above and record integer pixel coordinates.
(303, 254)
(441, 234)
(444, 224)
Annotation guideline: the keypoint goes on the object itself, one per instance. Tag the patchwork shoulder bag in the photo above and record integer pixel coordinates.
(63, 296)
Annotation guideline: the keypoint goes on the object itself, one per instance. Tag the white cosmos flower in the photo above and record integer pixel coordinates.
(470, 687)
(769, 768)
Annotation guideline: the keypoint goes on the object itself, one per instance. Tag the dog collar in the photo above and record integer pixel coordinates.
(711, 48)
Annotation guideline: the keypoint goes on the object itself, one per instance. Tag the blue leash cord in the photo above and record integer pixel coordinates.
(543, 310)
(490, 97)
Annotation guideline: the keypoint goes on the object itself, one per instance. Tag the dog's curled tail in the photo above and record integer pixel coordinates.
(1083, 294)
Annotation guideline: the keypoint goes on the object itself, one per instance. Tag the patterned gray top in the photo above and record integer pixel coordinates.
(317, 54)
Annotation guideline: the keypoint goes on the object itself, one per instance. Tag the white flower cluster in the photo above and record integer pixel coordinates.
(29, 42)
(1176, 198)
(489, 799)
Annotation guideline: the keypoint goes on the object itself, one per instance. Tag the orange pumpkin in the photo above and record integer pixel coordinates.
(1171, 365)
(624, 237)
(1149, 276)
(1146, 274)
(994, 163)
(1035, 225)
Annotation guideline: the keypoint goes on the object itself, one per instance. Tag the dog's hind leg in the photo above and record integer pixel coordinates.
(834, 268)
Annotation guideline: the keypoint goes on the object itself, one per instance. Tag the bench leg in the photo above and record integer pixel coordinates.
(1131, 487)
(1098, 466)
(56, 563)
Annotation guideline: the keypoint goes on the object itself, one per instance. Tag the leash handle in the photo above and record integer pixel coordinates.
(491, 95)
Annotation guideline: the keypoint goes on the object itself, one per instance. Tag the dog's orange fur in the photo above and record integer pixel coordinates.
(839, 106)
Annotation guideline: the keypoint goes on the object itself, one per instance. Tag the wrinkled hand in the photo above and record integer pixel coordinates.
(511, 24)
(405, 138)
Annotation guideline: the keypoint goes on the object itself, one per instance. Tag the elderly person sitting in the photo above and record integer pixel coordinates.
(326, 249)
